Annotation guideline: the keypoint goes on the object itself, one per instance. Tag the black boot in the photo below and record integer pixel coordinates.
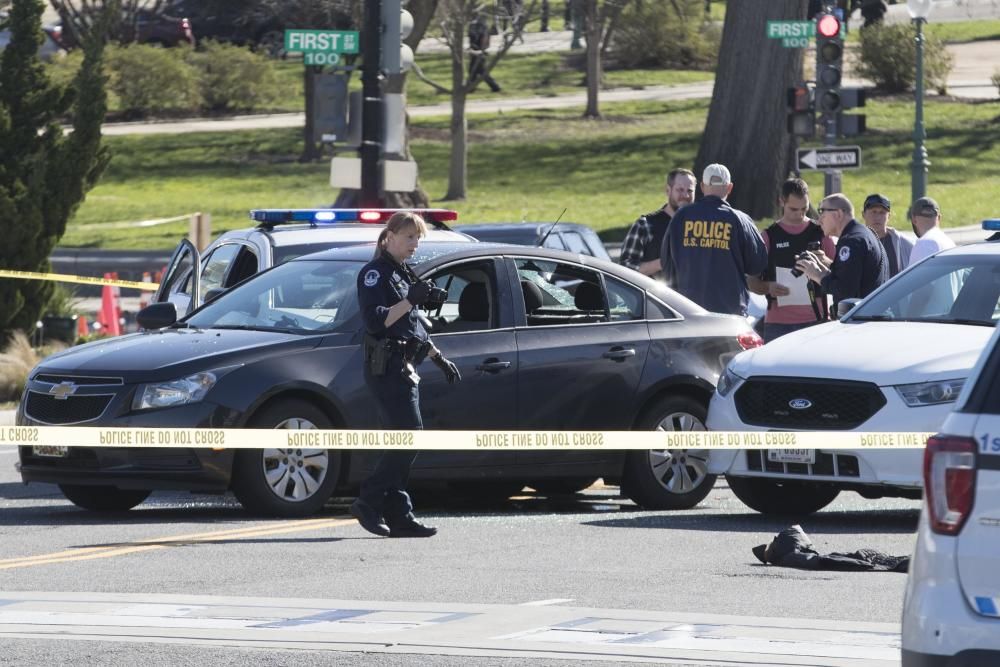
(408, 526)
(369, 518)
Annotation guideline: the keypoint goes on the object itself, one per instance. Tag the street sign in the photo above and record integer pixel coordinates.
(321, 47)
(829, 157)
(793, 34)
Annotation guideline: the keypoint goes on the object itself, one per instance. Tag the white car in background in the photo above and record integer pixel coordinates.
(896, 362)
(951, 611)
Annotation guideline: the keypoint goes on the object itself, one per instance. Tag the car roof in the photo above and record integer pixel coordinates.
(516, 228)
(979, 248)
(341, 232)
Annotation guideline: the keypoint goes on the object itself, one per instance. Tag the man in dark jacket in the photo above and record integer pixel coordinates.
(710, 247)
(860, 264)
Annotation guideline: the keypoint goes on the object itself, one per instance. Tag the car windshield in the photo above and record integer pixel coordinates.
(307, 296)
(951, 288)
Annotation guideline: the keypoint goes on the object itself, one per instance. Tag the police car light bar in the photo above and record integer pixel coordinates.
(273, 216)
(991, 224)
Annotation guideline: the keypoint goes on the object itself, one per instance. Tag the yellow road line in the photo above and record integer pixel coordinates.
(91, 553)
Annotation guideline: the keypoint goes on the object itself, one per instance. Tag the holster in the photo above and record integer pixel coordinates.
(377, 353)
(415, 350)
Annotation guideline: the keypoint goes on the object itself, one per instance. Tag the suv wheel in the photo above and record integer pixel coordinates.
(769, 496)
(291, 482)
(103, 498)
(669, 479)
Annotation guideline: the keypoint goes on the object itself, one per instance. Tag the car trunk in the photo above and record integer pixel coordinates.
(979, 540)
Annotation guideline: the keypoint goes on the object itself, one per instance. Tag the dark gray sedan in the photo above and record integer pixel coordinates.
(544, 340)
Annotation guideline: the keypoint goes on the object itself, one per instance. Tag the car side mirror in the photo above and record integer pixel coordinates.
(157, 315)
(846, 306)
(213, 294)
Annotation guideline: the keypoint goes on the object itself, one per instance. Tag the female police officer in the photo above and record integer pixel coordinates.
(395, 341)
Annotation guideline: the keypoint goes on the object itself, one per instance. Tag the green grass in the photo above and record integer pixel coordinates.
(523, 165)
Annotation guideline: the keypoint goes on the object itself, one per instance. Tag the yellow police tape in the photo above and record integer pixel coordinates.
(82, 280)
(95, 436)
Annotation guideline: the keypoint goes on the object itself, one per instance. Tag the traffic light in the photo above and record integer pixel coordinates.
(397, 23)
(829, 67)
(801, 111)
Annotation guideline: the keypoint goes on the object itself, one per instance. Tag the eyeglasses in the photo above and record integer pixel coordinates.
(822, 210)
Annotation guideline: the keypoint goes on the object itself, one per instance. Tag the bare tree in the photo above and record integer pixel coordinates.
(456, 17)
(746, 127)
(79, 18)
(599, 22)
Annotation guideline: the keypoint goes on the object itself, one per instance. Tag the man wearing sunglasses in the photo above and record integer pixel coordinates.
(859, 264)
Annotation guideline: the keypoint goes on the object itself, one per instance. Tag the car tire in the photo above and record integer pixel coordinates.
(669, 479)
(292, 482)
(486, 490)
(556, 486)
(781, 498)
(103, 498)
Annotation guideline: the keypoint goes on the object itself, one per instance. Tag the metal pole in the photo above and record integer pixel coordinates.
(920, 161)
(371, 110)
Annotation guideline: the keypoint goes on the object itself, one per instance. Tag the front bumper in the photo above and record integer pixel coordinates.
(188, 469)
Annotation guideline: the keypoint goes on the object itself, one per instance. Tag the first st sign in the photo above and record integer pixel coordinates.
(321, 47)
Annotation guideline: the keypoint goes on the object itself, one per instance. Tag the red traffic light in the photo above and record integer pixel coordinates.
(827, 26)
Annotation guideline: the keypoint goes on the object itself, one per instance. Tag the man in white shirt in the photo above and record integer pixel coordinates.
(925, 216)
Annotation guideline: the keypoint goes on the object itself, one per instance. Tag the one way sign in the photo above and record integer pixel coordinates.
(829, 157)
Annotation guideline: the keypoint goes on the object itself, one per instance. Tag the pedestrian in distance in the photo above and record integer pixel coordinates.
(641, 248)
(877, 213)
(859, 265)
(479, 44)
(791, 235)
(395, 341)
(925, 217)
(710, 247)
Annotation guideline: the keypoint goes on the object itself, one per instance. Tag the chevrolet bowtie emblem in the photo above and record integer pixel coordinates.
(63, 390)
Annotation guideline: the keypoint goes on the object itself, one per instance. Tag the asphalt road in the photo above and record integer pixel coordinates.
(537, 567)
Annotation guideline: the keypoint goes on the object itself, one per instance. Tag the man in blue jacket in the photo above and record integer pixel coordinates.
(710, 247)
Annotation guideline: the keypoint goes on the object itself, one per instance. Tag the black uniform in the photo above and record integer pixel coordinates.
(859, 267)
(782, 248)
(383, 283)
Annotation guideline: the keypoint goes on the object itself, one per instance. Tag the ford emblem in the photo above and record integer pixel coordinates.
(800, 404)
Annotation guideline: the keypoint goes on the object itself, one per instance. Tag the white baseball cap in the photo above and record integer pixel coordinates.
(716, 174)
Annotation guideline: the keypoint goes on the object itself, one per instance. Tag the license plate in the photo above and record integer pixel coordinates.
(50, 450)
(791, 455)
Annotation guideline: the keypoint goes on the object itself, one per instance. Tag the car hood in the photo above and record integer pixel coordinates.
(886, 353)
(172, 351)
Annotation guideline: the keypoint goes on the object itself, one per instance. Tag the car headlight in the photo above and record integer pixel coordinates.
(727, 382)
(190, 389)
(930, 393)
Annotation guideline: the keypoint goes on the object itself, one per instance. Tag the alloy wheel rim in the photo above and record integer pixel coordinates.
(295, 474)
(679, 470)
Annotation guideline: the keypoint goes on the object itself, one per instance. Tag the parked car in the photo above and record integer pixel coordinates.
(280, 235)
(896, 362)
(50, 47)
(150, 27)
(236, 23)
(544, 340)
(951, 610)
(569, 236)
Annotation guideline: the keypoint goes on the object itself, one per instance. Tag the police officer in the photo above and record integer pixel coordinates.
(710, 247)
(395, 341)
(859, 265)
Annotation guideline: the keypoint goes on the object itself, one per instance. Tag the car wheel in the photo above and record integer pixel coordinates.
(292, 482)
(562, 485)
(486, 490)
(791, 498)
(669, 479)
(103, 498)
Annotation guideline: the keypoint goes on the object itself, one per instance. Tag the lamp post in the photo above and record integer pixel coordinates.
(919, 9)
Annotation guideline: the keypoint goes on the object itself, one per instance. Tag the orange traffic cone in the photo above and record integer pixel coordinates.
(144, 294)
(108, 317)
(82, 329)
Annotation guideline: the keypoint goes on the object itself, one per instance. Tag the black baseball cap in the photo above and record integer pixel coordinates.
(877, 200)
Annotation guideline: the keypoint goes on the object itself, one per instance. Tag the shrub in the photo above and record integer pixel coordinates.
(149, 79)
(232, 77)
(665, 35)
(62, 302)
(16, 361)
(888, 58)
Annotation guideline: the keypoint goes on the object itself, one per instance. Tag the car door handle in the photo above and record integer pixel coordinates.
(493, 365)
(619, 353)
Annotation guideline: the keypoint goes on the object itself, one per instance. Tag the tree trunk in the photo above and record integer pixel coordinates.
(594, 74)
(310, 151)
(746, 128)
(457, 170)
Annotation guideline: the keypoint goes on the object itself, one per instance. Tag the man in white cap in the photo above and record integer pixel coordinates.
(925, 216)
(710, 247)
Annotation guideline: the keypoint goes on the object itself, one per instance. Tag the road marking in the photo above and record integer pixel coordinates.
(576, 634)
(545, 603)
(108, 551)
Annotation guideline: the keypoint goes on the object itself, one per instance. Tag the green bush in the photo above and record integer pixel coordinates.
(888, 58)
(996, 80)
(150, 79)
(233, 78)
(665, 35)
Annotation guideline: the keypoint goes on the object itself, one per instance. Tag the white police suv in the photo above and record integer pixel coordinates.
(951, 612)
(896, 362)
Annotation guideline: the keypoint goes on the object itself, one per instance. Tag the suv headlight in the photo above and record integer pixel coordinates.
(727, 382)
(930, 393)
(190, 389)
